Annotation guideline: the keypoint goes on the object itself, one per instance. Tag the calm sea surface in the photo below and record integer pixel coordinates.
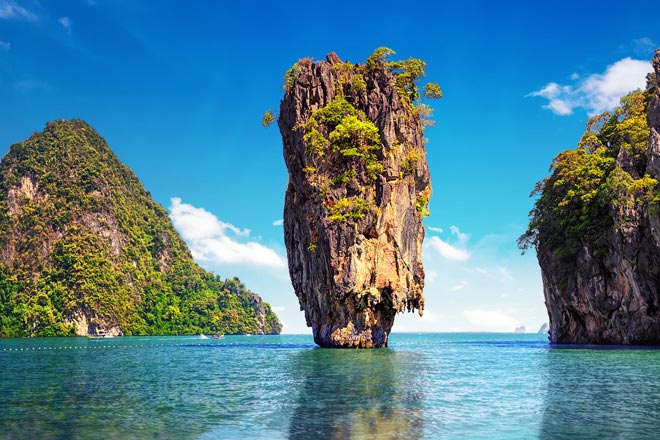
(435, 386)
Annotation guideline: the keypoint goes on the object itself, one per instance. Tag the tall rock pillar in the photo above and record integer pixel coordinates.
(358, 188)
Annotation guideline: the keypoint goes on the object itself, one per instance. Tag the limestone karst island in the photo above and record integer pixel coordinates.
(85, 250)
(596, 227)
(359, 186)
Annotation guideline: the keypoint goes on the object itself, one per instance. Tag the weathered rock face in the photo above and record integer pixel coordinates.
(611, 292)
(358, 186)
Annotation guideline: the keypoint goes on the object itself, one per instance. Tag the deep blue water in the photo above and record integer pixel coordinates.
(436, 386)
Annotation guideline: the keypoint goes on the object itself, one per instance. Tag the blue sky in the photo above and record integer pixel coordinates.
(178, 88)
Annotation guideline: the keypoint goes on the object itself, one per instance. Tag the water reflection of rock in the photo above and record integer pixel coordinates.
(358, 394)
(599, 394)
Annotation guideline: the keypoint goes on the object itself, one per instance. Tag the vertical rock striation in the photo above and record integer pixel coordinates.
(358, 187)
(606, 291)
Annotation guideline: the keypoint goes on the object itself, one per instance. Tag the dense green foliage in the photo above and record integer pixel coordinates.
(341, 128)
(80, 235)
(343, 136)
(591, 189)
(354, 209)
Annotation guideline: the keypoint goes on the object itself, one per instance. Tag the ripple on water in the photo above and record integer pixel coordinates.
(446, 386)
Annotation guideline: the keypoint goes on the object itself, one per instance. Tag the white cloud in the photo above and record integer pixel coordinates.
(457, 232)
(66, 23)
(644, 46)
(597, 92)
(505, 273)
(446, 250)
(10, 9)
(211, 239)
(279, 222)
(462, 284)
(5, 45)
(491, 320)
(434, 229)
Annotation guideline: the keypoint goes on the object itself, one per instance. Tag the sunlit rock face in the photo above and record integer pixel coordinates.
(358, 187)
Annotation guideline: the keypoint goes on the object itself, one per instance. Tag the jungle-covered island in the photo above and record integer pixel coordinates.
(85, 250)
(596, 227)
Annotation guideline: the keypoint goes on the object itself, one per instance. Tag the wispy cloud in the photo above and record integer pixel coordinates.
(66, 23)
(597, 92)
(505, 273)
(462, 284)
(11, 9)
(446, 250)
(5, 45)
(211, 239)
(491, 320)
(279, 222)
(456, 252)
(457, 232)
(644, 46)
(434, 229)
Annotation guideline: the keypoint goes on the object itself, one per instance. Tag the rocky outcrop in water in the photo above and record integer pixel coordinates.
(596, 228)
(358, 187)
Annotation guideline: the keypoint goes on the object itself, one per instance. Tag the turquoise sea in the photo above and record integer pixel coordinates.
(435, 386)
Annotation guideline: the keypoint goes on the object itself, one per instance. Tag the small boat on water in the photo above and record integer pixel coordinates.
(218, 336)
(203, 336)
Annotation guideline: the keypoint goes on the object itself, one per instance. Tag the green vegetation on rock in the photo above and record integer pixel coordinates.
(590, 188)
(408, 72)
(269, 118)
(346, 208)
(343, 135)
(341, 128)
(81, 237)
(343, 145)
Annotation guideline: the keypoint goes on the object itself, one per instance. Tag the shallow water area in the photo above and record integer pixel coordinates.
(450, 386)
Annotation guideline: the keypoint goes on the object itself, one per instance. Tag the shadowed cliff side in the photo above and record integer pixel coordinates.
(596, 228)
(359, 186)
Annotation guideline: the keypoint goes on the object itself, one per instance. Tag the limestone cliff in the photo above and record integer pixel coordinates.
(358, 187)
(596, 228)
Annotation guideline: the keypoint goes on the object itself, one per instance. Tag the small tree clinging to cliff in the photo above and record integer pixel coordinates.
(408, 73)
